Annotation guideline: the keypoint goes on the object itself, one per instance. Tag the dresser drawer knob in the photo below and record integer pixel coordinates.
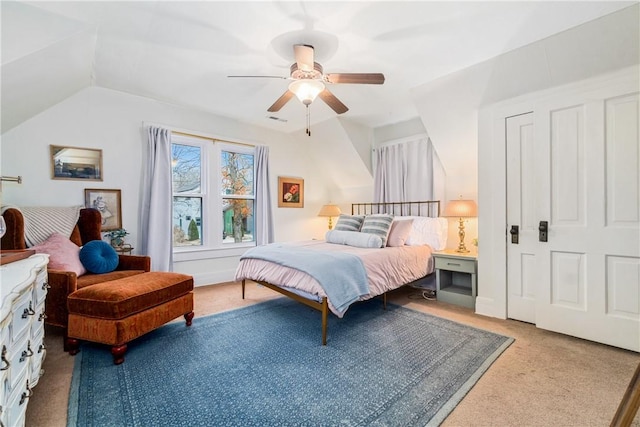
(4, 359)
(26, 353)
(28, 311)
(42, 316)
(46, 285)
(42, 347)
(27, 394)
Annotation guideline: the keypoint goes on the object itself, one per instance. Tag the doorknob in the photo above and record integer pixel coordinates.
(515, 233)
(543, 231)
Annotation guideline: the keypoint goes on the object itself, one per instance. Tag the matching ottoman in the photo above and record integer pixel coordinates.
(121, 310)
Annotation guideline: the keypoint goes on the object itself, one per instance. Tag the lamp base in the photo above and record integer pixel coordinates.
(461, 246)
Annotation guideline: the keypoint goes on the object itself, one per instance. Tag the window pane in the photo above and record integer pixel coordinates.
(187, 221)
(186, 163)
(237, 220)
(237, 174)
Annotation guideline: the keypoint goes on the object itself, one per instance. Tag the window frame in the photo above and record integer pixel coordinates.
(234, 148)
(211, 190)
(204, 186)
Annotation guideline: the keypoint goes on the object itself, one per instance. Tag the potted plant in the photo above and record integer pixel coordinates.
(117, 237)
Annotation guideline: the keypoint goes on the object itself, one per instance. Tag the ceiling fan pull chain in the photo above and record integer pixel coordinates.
(308, 121)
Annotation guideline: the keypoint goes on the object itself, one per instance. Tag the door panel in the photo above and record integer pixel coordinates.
(521, 211)
(622, 165)
(592, 205)
(575, 163)
(567, 167)
(568, 288)
(623, 289)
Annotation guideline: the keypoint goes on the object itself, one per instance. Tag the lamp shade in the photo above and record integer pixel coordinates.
(306, 90)
(329, 210)
(461, 209)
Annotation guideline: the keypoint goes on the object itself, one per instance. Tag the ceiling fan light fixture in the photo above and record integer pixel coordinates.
(306, 90)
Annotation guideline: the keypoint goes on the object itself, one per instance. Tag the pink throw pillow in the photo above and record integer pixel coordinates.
(63, 254)
(399, 232)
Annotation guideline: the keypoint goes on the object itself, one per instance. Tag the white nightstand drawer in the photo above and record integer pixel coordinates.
(456, 264)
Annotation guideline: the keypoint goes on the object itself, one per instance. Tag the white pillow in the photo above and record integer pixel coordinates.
(428, 231)
(354, 238)
(399, 232)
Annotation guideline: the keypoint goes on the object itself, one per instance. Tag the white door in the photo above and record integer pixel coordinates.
(521, 218)
(586, 184)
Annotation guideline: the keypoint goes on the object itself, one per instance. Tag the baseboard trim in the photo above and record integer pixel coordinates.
(487, 307)
(213, 277)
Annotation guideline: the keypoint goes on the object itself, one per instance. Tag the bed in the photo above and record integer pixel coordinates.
(307, 271)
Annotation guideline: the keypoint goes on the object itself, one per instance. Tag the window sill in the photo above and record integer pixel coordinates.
(194, 254)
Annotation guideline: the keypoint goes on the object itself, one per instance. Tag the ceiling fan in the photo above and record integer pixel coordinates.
(309, 82)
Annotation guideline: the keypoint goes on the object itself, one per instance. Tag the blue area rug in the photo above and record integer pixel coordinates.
(263, 365)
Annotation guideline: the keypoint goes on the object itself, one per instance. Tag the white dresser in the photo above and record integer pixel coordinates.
(23, 288)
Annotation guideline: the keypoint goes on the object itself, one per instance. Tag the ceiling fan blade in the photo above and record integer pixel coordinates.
(304, 56)
(333, 102)
(363, 78)
(264, 77)
(281, 101)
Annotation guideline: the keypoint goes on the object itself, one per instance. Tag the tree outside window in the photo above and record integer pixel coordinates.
(237, 179)
(186, 161)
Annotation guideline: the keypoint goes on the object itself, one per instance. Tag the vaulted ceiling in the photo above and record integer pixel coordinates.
(182, 52)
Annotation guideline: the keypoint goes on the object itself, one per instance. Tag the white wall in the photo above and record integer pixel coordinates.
(333, 161)
(448, 107)
(340, 149)
(113, 121)
(409, 129)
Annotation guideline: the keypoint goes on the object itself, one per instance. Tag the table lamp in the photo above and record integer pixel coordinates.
(461, 209)
(329, 211)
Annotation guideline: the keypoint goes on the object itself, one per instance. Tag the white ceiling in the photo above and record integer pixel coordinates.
(182, 52)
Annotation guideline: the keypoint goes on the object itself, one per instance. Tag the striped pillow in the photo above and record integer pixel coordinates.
(378, 224)
(349, 223)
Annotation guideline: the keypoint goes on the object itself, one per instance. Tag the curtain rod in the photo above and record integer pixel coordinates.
(211, 138)
(17, 179)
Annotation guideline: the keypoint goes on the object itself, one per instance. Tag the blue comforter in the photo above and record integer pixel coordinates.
(341, 275)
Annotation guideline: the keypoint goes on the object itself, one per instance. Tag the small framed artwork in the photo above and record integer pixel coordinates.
(76, 163)
(290, 192)
(108, 203)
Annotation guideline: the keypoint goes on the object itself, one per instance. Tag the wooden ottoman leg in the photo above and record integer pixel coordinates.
(72, 345)
(118, 352)
(189, 317)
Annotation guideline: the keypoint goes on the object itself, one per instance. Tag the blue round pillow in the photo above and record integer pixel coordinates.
(98, 257)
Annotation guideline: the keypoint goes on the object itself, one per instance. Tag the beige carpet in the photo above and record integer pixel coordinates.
(542, 379)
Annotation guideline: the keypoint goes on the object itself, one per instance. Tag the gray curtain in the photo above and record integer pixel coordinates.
(404, 172)
(156, 212)
(262, 209)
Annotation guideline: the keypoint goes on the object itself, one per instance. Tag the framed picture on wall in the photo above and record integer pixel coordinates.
(76, 163)
(108, 203)
(290, 192)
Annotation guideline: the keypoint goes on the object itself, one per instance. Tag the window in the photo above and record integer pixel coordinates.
(213, 194)
(238, 195)
(186, 161)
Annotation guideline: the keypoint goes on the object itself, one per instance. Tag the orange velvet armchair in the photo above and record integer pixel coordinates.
(63, 283)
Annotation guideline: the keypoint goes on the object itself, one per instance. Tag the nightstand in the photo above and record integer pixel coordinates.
(456, 277)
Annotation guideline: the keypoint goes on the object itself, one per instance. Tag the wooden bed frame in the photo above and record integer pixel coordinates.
(429, 208)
